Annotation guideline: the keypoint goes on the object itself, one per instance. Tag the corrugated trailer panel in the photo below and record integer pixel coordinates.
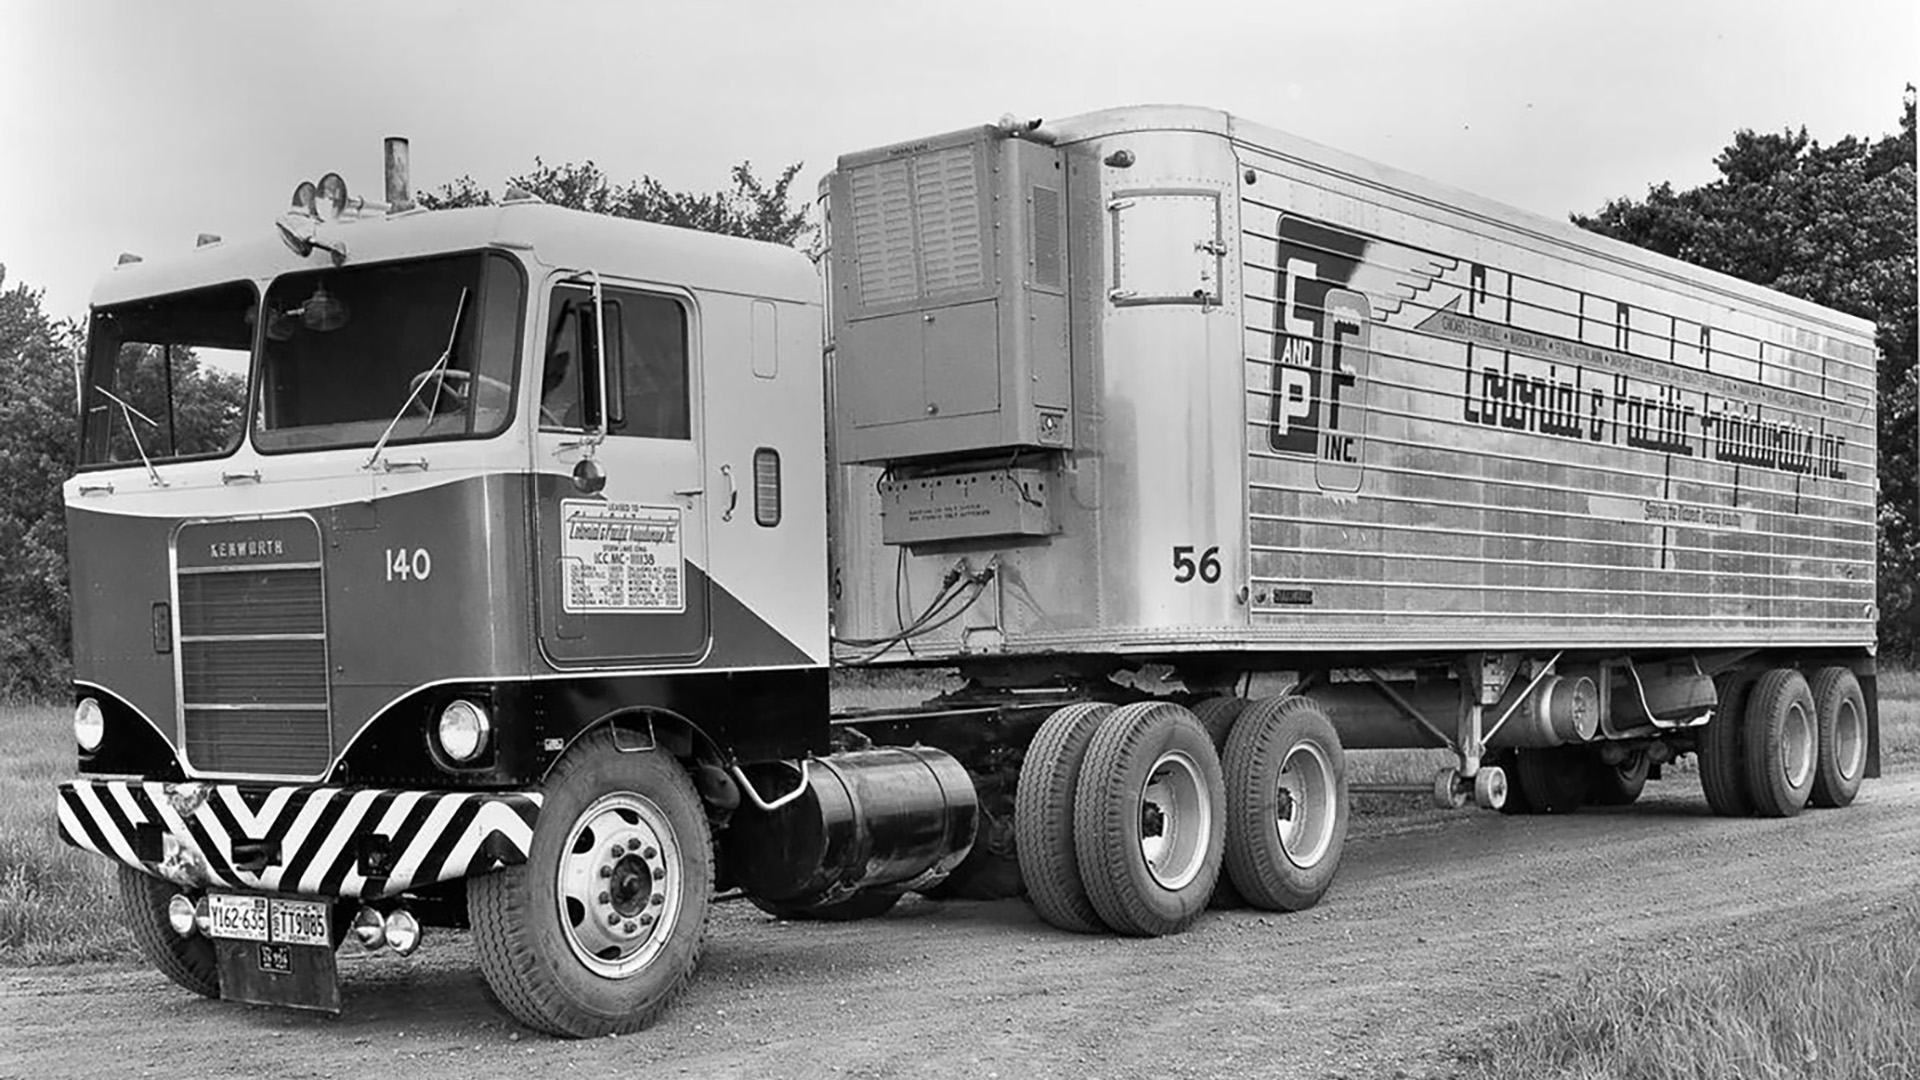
(1457, 425)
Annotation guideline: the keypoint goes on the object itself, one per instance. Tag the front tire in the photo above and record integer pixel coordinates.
(188, 961)
(1043, 817)
(602, 927)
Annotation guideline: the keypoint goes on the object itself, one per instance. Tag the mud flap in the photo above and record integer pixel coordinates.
(271, 973)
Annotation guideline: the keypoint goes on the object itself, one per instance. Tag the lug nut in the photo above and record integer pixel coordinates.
(633, 843)
(606, 898)
(659, 872)
(606, 871)
(613, 918)
(615, 852)
(629, 928)
(648, 854)
(658, 899)
(646, 919)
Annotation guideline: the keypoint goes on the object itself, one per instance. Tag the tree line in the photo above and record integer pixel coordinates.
(1833, 224)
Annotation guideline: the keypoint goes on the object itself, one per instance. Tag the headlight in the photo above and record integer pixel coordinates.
(463, 731)
(89, 725)
(403, 931)
(180, 916)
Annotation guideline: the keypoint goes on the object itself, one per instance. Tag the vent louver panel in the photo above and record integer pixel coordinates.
(1046, 238)
(252, 651)
(883, 232)
(946, 194)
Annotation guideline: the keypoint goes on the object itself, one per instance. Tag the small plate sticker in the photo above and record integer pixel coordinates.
(276, 959)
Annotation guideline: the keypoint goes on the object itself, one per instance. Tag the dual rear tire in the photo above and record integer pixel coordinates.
(1780, 742)
(1134, 818)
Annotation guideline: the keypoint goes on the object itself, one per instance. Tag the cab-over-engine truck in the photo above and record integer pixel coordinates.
(1202, 452)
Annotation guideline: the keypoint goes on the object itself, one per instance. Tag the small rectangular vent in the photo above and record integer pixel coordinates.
(1046, 238)
(882, 228)
(946, 195)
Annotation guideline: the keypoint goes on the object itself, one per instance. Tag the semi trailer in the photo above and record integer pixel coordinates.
(1202, 454)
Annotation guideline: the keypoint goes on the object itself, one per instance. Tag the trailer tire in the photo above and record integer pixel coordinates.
(1723, 776)
(1782, 743)
(1841, 710)
(1148, 816)
(1218, 715)
(1619, 785)
(1282, 853)
(544, 948)
(1553, 779)
(188, 961)
(1043, 817)
(862, 905)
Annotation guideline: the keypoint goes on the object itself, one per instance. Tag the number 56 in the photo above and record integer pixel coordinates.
(1185, 569)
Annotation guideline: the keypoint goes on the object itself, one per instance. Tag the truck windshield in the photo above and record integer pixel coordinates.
(347, 350)
(166, 377)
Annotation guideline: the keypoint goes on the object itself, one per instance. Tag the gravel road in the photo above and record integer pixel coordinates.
(1439, 924)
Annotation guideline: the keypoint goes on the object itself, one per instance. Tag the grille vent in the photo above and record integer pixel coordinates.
(933, 198)
(253, 662)
(1046, 238)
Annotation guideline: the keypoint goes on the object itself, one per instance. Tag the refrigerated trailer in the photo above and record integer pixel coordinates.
(508, 595)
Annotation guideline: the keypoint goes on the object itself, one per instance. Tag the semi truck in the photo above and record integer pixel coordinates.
(511, 593)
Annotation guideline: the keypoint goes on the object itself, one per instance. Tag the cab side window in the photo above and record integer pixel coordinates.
(646, 337)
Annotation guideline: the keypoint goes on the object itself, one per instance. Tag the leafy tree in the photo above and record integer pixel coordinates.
(750, 208)
(36, 455)
(1834, 225)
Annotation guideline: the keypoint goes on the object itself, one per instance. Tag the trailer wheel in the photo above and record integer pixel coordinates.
(602, 926)
(1147, 819)
(1218, 715)
(1286, 804)
(864, 905)
(1723, 776)
(1841, 710)
(188, 961)
(1619, 785)
(1782, 743)
(1554, 779)
(1043, 817)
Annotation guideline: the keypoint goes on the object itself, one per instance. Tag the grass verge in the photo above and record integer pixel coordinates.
(1840, 1010)
(57, 903)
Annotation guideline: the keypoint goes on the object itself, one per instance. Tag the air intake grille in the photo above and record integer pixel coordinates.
(1046, 237)
(929, 204)
(253, 651)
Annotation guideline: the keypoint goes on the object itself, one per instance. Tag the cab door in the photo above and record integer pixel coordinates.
(621, 566)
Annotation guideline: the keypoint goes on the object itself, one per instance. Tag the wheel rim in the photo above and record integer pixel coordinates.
(618, 884)
(1176, 820)
(1849, 741)
(1796, 746)
(1304, 807)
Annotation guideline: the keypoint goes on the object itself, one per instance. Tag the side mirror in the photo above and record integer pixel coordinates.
(589, 477)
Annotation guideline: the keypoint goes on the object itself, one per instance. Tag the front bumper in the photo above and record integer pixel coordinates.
(364, 843)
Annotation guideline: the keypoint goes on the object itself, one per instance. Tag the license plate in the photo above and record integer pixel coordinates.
(264, 919)
(276, 959)
(239, 918)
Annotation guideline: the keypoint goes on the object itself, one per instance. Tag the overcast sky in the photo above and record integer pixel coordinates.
(133, 126)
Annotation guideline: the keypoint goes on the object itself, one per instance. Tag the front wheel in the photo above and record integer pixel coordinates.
(1286, 781)
(602, 927)
(188, 961)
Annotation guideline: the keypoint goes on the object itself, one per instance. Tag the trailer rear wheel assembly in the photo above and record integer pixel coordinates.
(1043, 817)
(1286, 780)
(1782, 743)
(1841, 711)
(1621, 784)
(187, 960)
(1723, 776)
(602, 926)
(1147, 819)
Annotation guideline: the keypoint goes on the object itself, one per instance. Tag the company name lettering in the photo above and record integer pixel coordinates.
(639, 532)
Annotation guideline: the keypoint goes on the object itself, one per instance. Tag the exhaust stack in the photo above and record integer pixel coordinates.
(399, 176)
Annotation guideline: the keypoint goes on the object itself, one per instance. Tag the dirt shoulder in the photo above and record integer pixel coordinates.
(1438, 925)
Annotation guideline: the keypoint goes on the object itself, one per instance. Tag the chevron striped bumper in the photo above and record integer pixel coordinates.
(318, 841)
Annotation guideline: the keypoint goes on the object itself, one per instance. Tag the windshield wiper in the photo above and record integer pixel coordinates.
(127, 413)
(420, 383)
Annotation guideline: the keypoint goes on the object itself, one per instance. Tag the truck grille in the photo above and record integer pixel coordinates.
(253, 649)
